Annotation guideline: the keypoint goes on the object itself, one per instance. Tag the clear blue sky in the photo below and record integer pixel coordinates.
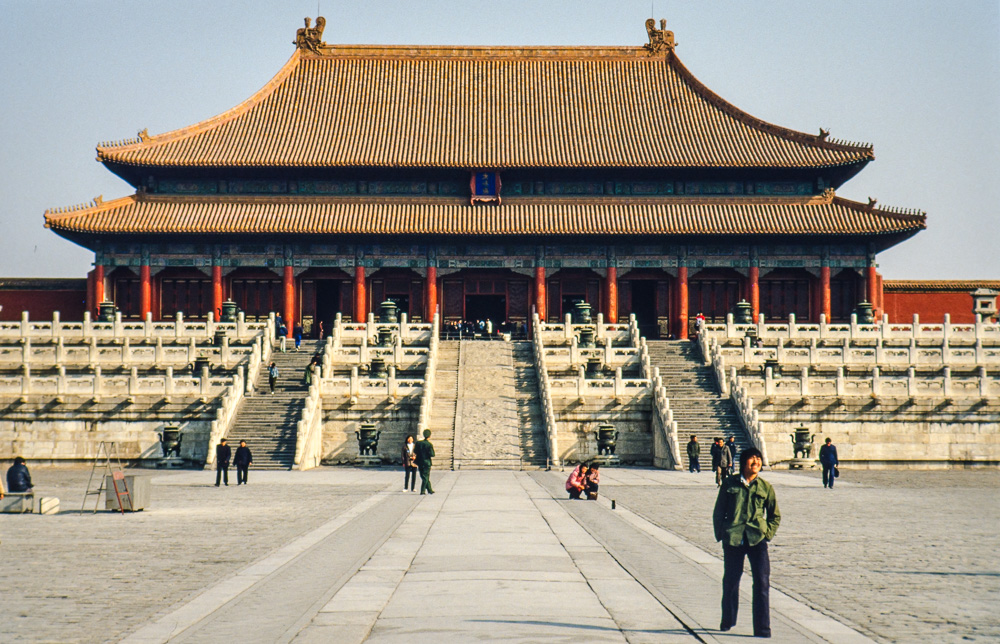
(919, 79)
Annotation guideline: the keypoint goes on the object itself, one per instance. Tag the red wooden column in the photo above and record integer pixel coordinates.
(826, 300)
(217, 290)
(99, 283)
(360, 299)
(540, 292)
(755, 292)
(289, 315)
(682, 308)
(432, 293)
(611, 288)
(145, 290)
(871, 288)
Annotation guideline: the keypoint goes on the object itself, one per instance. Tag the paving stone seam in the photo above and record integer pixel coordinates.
(796, 610)
(330, 604)
(675, 613)
(193, 611)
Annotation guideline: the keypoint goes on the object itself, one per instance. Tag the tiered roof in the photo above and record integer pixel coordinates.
(484, 108)
(821, 215)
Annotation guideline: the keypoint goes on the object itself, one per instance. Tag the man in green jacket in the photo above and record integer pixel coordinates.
(746, 517)
(424, 452)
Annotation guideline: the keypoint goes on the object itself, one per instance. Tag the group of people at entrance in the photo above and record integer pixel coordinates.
(417, 457)
(723, 456)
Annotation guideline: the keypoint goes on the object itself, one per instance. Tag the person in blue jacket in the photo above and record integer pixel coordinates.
(828, 459)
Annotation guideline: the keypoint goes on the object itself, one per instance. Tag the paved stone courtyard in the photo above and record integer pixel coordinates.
(340, 554)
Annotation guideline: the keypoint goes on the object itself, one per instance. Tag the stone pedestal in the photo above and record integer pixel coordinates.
(172, 462)
(802, 464)
(606, 460)
(368, 461)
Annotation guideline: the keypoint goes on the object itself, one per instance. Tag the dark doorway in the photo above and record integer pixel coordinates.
(327, 305)
(402, 304)
(644, 308)
(486, 307)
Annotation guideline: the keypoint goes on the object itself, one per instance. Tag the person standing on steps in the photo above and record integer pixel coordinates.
(297, 334)
(409, 460)
(243, 459)
(283, 337)
(828, 459)
(424, 453)
(694, 451)
(222, 455)
(272, 376)
(745, 519)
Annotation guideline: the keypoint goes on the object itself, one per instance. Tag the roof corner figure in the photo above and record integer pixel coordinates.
(309, 37)
(660, 40)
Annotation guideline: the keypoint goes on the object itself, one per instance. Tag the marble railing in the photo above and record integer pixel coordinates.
(353, 333)
(563, 334)
(873, 384)
(355, 385)
(94, 353)
(548, 413)
(945, 332)
(97, 385)
(859, 355)
(145, 329)
(226, 413)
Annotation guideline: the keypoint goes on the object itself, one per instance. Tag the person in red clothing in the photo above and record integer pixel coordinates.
(576, 483)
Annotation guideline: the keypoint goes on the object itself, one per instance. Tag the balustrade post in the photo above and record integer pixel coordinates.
(916, 325)
(780, 349)
(133, 381)
(61, 381)
(205, 384)
(823, 323)
(760, 325)
(56, 330)
(946, 331)
(25, 379)
(947, 382)
(768, 382)
(158, 352)
(371, 321)
(88, 328)
(98, 385)
(979, 327)
(363, 353)
(793, 331)
(118, 330)
(841, 383)
(210, 324)
(404, 326)
(168, 383)
(876, 382)
(911, 382)
(746, 350)
(126, 351)
(179, 325)
(804, 382)
(619, 385)
(192, 350)
(567, 326)
(911, 351)
(60, 351)
(26, 350)
(854, 327)
(730, 326)
(984, 383)
(355, 385)
(225, 353)
(574, 351)
(879, 351)
(147, 325)
(25, 323)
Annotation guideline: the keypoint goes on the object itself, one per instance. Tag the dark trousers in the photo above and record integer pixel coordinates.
(760, 568)
(271, 381)
(425, 479)
(221, 473)
(828, 476)
(241, 474)
(410, 477)
(694, 465)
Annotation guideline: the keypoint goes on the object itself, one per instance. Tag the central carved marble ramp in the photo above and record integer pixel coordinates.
(487, 426)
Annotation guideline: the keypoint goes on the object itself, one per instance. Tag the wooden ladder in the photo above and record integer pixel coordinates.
(110, 464)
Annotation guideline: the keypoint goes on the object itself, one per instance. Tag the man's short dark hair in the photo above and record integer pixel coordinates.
(693, 437)
(828, 440)
(19, 460)
(749, 452)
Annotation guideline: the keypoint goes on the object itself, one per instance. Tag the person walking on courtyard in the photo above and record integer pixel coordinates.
(222, 455)
(694, 451)
(243, 459)
(733, 451)
(745, 519)
(18, 477)
(721, 461)
(828, 459)
(297, 334)
(424, 453)
(272, 376)
(409, 460)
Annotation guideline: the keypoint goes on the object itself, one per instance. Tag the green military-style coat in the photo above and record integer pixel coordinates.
(741, 510)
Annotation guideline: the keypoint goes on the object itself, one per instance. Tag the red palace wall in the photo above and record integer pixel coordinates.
(42, 297)
(931, 305)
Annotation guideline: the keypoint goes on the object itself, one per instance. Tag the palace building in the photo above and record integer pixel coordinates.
(484, 183)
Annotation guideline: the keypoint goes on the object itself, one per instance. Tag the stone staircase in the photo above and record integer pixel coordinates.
(442, 418)
(534, 447)
(698, 407)
(487, 426)
(267, 422)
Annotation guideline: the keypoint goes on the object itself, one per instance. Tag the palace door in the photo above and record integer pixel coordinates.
(648, 298)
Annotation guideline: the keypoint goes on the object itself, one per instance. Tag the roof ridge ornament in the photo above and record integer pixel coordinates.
(310, 37)
(660, 40)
